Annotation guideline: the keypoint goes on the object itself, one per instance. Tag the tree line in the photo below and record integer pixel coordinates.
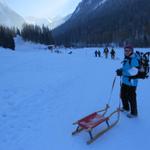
(37, 34)
(33, 33)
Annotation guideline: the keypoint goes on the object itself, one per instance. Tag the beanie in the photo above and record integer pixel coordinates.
(129, 46)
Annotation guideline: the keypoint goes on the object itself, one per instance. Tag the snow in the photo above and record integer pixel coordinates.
(43, 93)
(99, 4)
(38, 21)
(77, 9)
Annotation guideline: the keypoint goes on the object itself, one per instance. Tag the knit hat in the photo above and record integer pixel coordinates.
(129, 46)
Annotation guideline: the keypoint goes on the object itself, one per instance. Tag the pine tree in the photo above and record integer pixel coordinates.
(7, 38)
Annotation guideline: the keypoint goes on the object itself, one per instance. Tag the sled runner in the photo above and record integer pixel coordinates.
(95, 119)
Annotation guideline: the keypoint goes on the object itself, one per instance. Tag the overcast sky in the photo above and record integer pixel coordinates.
(43, 8)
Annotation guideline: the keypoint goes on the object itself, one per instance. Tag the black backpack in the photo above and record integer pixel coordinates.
(143, 69)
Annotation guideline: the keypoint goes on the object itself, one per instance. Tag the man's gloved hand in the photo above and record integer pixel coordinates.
(119, 72)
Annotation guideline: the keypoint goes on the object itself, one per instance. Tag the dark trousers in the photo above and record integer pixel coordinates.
(128, 97)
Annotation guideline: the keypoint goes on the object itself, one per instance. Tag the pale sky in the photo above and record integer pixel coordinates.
(43, 8)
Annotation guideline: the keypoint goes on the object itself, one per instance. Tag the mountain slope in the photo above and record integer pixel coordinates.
(38, 21)
(57, 21)
(107, 21)
(9, 17)
(51, 23)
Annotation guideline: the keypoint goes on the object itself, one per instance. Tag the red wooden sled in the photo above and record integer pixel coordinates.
(93, 120)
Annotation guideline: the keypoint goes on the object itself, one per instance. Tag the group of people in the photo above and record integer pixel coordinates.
(106, 53)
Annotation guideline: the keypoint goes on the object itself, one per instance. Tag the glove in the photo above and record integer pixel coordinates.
(119, 72)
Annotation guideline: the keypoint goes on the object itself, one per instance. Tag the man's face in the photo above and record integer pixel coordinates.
(127, 52)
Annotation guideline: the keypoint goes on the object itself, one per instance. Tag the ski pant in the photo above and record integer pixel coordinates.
(128, 97)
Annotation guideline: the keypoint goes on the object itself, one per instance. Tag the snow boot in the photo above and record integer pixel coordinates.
(123, 110)
(131, 116)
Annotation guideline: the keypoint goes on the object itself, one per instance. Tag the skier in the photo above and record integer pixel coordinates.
(112, 52)
(98, 53)
(95, 53)
(128, 85)
(106, 51)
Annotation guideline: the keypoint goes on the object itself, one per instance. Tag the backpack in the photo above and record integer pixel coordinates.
(143, 68)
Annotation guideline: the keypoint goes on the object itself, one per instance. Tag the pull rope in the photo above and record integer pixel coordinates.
(112, 88)
(120, 94)
(110, 96)
(109, 100)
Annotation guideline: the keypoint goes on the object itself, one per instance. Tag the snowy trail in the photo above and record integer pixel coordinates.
(42, 94)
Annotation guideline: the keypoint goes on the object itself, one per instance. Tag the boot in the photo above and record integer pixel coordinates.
(131, 116)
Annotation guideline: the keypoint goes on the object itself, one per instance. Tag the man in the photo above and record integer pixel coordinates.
(112, 52)
(95, 53)
(98, 53)
(129, 85)
(106, 51)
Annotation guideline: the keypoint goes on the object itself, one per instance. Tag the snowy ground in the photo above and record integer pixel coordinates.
(43, 93)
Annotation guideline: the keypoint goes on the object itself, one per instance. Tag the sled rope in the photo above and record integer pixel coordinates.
(112, 88)
(110, 98)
